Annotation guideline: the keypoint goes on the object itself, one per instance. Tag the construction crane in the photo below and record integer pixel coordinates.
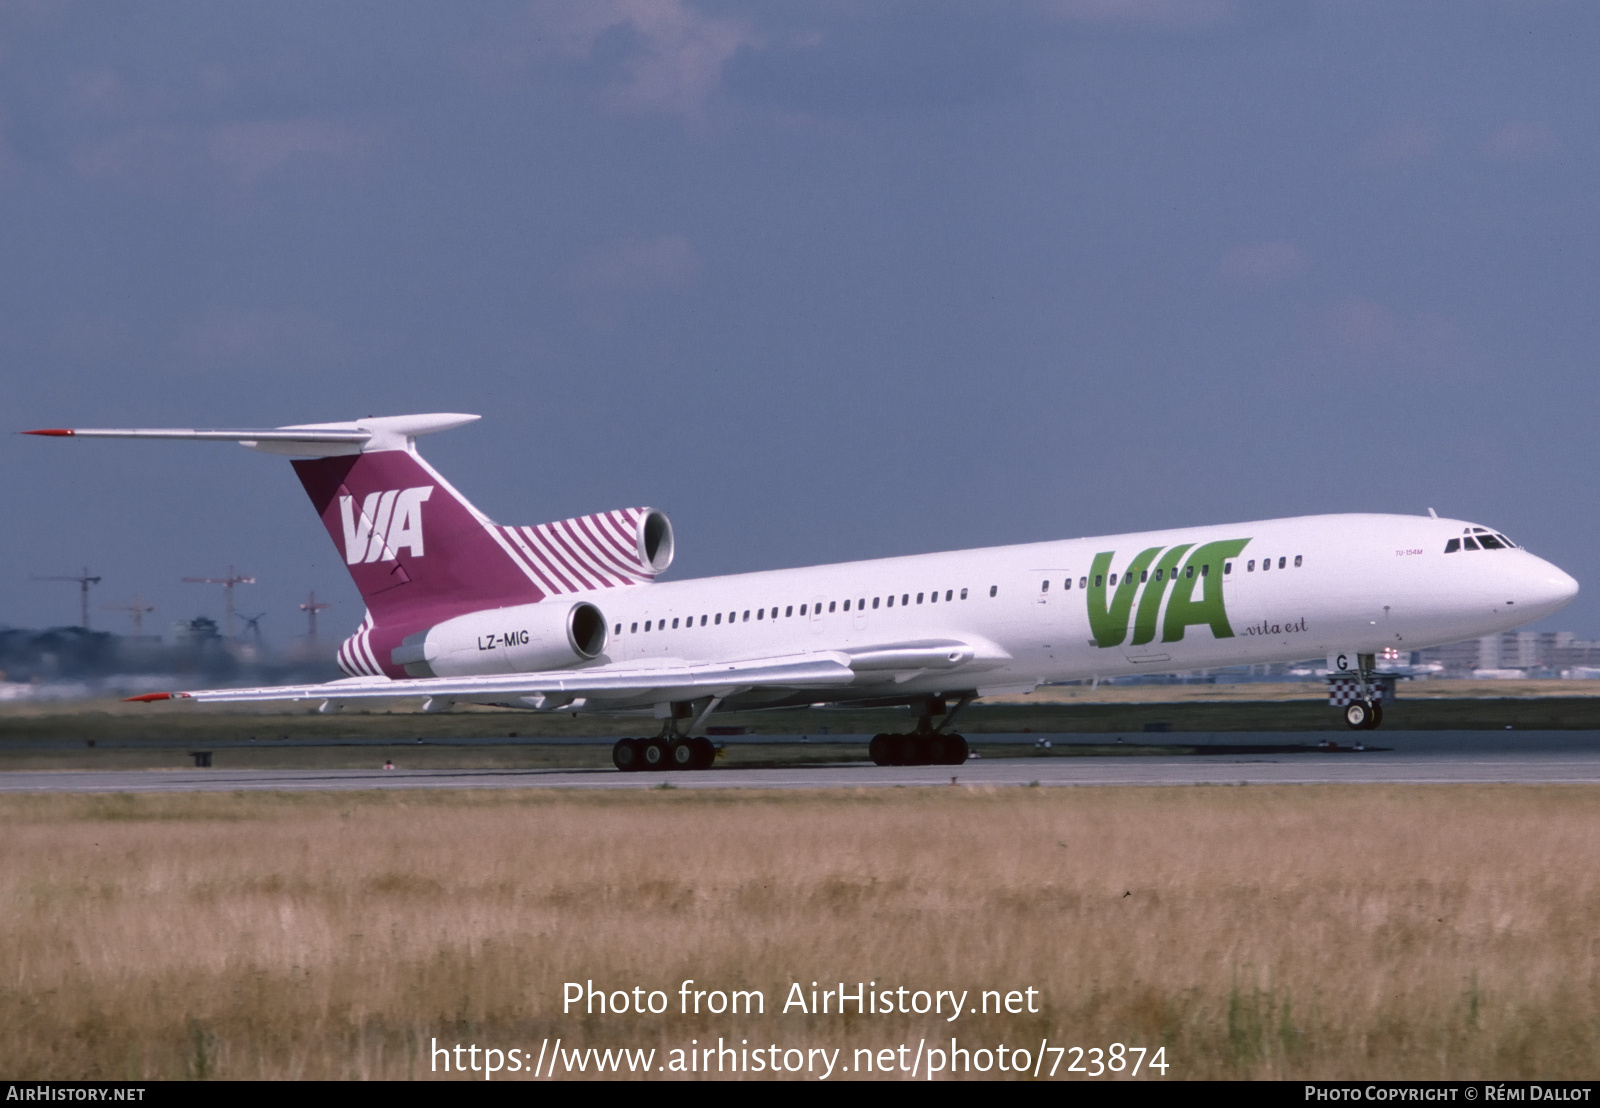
(84, 581)
(137, 610)
(227, 584)
(311, 607)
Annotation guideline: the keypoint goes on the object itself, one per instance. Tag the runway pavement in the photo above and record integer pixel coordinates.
(1419, 757)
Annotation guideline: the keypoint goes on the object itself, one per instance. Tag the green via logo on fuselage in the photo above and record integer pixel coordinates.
(1155, 570)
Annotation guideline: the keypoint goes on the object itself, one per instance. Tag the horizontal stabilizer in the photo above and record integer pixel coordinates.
(315, 440)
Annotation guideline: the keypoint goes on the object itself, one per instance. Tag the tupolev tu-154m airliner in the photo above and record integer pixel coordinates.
(569, 616)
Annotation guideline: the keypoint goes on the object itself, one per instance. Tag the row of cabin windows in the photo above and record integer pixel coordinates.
(715, 619)
(1188, 572)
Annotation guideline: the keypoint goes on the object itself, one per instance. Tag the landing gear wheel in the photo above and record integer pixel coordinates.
(956, 750)
(881, 750)
(1377, 715)
(937, 748)
(920, 749)
(704, 753)
(625, 755)
(902, 750)
(653, 755)
(1361, 715)
(681, 755)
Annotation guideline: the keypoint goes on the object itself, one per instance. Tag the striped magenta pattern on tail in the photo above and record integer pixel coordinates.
(355, 656)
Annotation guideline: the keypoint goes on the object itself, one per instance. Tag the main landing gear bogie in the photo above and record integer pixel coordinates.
(926, 749)
(659, 754)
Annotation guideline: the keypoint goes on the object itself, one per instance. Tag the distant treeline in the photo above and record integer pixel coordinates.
(75, 653)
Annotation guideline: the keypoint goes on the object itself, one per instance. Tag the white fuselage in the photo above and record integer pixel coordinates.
(1348, 583)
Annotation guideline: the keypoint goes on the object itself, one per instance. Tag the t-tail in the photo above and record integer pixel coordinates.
(418, 551)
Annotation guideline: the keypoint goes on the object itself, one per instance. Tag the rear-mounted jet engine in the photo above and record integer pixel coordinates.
(520, 639)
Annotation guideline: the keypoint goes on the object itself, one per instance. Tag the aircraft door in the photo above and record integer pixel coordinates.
(1050, 601)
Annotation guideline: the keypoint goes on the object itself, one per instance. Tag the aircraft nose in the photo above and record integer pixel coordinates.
(1545, 589)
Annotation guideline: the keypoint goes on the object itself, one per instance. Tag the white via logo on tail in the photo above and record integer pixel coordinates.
(386, 522)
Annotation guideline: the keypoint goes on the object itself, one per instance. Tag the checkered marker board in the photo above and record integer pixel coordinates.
(1347, 690)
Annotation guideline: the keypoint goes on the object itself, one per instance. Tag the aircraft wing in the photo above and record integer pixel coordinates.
(821, 670)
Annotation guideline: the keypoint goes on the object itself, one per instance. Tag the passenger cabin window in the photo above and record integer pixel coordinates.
(1227, 568)
(905, 598)
(634, 630)
(994, 590)
(1067, 584)
(802, 609)
(1297, 558)
(891, 602)
(674, 625)
(1206, 569)
(1083, 582)
(1113, 581)
(861, 604)
(1266, 564)
(1098, 580)
(933, 597)
(832, 604)
(874, 603)
(1283, 563)
(760, 612)
(919, 598)
(719, 618)
(1188, 571)
(948, 595)
(789, 611)
(1144, 575)
(847, 605)
(747, 615)
(618, 631)
(1250, 566)
(963, 594)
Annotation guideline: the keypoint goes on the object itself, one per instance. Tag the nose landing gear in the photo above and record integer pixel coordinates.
(1359, 691)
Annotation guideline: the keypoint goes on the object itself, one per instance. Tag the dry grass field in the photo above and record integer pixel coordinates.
(1425, 932)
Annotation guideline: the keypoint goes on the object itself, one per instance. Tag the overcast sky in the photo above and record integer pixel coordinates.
(823, 281)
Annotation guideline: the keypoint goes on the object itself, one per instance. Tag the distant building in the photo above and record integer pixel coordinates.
(1525, 653)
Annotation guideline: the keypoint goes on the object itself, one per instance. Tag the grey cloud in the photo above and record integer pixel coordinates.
(663, 56)
(1520, 141)
(1406, 142)
(1169, 15)
(1375, 336)
(626, 265)
(1263, 263)
(251, 149)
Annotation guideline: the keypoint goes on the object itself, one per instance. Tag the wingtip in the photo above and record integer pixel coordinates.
(151, 696)
(53, 432)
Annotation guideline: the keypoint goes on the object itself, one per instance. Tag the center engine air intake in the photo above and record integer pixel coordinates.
(549, 635)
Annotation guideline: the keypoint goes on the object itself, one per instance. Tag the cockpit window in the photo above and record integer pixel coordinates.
(1469, 543)
(1452, 546)
(1505, 540)
(1490, 542)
